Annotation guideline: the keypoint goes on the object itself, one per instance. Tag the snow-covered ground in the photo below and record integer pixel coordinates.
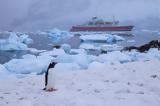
(113, 79)
(130, 84)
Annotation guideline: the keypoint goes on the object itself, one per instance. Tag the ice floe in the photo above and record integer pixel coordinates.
(66, 48)
(104, 38)
(78, 60)
(3, 72)
(78, 51)
(109, 48)
(15, 42)
(88, 46)
(114, 57)
(57, 35)
(28, 64)
(102, 47)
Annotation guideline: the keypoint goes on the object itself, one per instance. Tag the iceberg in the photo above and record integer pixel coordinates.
(88, 46)
(68, 67)
(131, 41)
(114, 38)
(109, 48)
(29, 64)
(102, 38)
(78, 51)
(154, 53)
(100, 47)
(81, 59)
(136, 56)
(66, 48)
(25, 39)
(38, 64)
(94, 37)
(55, 52)
(57, 35)
(15, 43)
(3, 72)
(114, 58)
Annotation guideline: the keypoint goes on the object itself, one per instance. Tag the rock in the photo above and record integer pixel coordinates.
(145, 47)
(154, 76)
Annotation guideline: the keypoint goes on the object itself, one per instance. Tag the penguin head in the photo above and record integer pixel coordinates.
(52, 64)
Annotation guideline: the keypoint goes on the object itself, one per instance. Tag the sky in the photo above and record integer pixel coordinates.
(47, 14)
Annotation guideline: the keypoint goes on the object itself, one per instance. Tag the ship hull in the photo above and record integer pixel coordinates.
(101, 28)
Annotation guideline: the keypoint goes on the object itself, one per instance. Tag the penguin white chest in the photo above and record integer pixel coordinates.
(51, 78)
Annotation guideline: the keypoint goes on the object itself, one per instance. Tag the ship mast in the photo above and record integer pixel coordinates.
(114, 20)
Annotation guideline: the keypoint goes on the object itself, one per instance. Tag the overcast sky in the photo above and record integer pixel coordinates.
(44, 14)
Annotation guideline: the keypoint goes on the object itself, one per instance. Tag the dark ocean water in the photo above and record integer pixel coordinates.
(42, 42)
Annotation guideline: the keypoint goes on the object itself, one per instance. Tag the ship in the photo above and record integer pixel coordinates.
(96, 24)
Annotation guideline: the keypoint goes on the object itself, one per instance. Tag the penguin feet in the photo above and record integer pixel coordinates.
(44, 89)
(51, 90)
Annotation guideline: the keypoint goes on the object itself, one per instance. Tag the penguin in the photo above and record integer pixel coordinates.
(50, 78)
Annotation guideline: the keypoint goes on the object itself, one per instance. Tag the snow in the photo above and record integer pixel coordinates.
(80, 59)
(68, 67)
(153, 53)
(108, 38)
(78, 51)
(3, 72)
(28, 64)
(54, 52)
(57, 35)
(88, 46)
(102, 47)
(133, 84)
(145, 30)
(40, 63)
(75, 61)
(155, 31)
(131, 41)
(25, 39)
(41, 33)
(96, 37)
(34, 50)
(66, 48)
(15, 43)
(114, 58)
(109, 48)
(2, 69)
(112, 79)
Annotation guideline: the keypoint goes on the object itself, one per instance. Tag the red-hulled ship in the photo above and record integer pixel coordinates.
(97, 24)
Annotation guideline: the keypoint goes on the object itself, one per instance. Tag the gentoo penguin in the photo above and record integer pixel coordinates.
(50, 78)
